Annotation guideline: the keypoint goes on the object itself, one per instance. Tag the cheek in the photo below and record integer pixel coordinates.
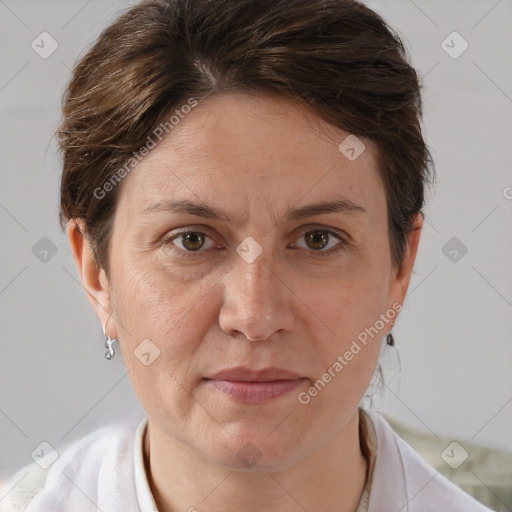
(160, 317)
(349, 308)
(350, 301)
(170, 312)
(347, 353)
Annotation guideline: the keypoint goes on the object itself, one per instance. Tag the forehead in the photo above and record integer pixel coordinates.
(238, 148)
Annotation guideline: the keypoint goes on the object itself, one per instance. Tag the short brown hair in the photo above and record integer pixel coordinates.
(336, 57)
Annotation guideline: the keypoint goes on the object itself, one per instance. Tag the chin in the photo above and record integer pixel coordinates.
(251, 452)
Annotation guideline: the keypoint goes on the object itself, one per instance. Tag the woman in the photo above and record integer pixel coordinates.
(242, 192)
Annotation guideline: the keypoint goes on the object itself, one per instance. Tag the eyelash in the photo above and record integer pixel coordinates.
(343, 244)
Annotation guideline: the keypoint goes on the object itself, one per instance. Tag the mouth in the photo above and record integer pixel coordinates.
(255, 386)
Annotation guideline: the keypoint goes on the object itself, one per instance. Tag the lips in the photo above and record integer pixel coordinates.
(244, 374)
(255, 386)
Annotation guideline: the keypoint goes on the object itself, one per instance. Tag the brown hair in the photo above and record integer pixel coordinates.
(337, 57)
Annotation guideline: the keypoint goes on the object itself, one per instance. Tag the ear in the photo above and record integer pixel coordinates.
(401, 276)
(93, 278)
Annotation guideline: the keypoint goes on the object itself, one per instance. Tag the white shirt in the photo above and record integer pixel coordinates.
(105, 471)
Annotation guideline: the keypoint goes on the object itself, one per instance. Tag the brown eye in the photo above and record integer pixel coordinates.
(316, 240)
(320, 241)
(191, 241)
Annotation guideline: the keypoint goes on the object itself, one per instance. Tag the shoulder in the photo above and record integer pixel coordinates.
(34, 480)
(404, 481)
(23, 486)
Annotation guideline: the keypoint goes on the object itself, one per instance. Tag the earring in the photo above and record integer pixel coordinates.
(390, 340)
(108, 342)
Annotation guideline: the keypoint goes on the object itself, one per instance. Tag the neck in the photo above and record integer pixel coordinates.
(331, 480)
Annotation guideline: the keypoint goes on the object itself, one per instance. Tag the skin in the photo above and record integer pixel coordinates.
(255, 157)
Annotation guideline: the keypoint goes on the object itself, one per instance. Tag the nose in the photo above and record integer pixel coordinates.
(256, 302)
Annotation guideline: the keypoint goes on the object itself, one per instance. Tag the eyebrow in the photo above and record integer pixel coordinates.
(342, 205)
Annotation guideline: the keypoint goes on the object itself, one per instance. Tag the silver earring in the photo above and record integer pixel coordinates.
(108, 342)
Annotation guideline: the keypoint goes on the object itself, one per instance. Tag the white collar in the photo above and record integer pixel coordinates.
(404, 482)
(143, 490)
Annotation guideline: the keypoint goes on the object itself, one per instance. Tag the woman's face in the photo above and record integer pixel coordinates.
(266, 277)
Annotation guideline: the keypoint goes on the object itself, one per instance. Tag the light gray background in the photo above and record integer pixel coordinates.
(454, 333)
